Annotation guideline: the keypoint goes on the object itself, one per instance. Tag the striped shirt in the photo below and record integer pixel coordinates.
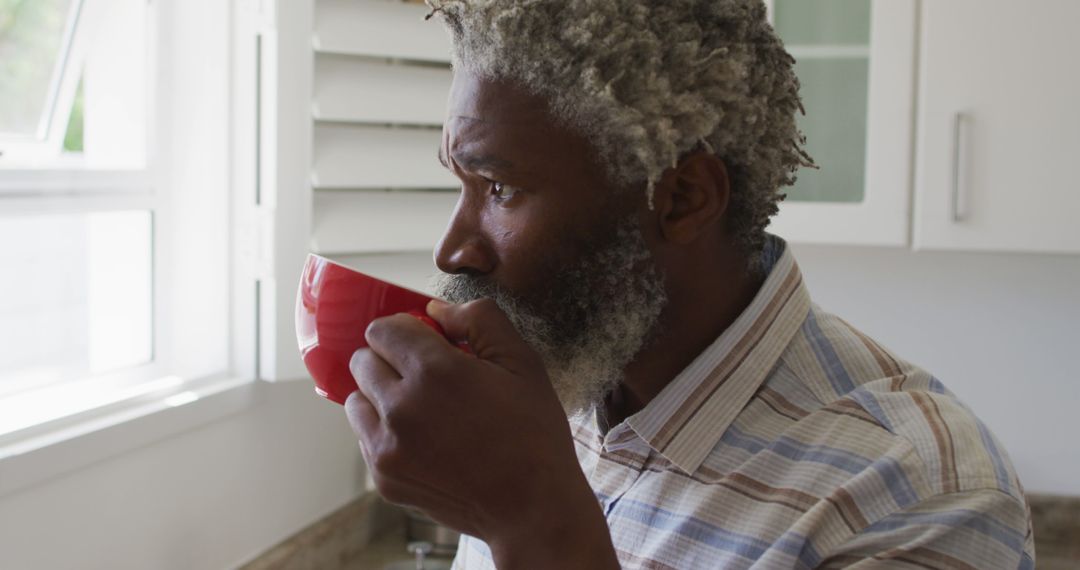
(796, 441)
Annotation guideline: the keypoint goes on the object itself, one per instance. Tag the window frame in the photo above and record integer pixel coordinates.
(171, 393)
(59, 185)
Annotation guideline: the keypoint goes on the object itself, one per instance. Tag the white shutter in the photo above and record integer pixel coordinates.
(379, 28)
(350, 223)
(380, 83)
(355, 89)
(366, 156)
(354, 95)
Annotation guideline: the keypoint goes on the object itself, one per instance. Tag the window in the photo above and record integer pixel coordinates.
(73, 77)
(78, 301)
(114, 203)
(35, 41)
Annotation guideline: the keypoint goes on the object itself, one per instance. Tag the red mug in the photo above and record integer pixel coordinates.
(334, 306)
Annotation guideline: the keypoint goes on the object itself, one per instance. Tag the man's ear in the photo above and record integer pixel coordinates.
(692, 198)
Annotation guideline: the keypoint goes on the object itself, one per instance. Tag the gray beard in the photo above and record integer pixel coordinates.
(589, 319)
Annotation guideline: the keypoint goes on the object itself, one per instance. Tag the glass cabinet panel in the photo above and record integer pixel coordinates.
(830, 40)
(822, 22)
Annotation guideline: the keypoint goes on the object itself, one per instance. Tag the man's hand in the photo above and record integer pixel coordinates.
(479, 442)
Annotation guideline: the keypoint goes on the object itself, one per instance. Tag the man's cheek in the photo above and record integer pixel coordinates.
(530, 273)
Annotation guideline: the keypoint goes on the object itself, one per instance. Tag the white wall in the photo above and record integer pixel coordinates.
(210, 498)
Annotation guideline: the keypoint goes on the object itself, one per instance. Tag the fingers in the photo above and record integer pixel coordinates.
(490, 334)
(408, 345)
(375, 379)
(363, 418)
(369, 429)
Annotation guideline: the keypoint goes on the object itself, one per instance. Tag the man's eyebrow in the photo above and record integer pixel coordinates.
(472, 162)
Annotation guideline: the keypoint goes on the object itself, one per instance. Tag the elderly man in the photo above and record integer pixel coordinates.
(619, 162)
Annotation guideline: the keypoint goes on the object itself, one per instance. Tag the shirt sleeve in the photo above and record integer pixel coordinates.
(978, 529)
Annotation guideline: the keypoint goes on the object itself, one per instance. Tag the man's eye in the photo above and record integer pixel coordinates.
(502, 192)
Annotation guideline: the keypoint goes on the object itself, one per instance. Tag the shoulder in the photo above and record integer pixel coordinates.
(958, 451)
(849, 373)
(978, 528)
(927, 458)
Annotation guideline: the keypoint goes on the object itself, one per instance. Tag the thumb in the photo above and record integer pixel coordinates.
(489, 332)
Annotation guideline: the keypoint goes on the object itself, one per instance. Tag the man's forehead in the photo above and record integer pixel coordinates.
(492, 122)
(474, 99)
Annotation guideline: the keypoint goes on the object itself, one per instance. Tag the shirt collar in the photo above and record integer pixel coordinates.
(686, 420)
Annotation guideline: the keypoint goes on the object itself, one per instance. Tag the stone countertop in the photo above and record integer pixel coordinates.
(387, 547)
(366, 534)
(1056, 523)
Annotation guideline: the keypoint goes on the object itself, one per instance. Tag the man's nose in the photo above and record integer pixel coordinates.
(463, 247)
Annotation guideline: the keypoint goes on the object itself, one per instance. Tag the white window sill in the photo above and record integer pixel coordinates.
(36, 455)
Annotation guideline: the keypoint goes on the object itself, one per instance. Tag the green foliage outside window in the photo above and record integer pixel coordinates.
(73, 138)
(31, 38)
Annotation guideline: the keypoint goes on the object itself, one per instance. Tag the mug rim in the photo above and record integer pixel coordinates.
(370, 276)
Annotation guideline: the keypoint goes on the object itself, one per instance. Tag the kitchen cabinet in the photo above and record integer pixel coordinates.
(998, 127)
(856, 65)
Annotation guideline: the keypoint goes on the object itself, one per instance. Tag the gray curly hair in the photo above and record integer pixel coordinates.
(647, 81)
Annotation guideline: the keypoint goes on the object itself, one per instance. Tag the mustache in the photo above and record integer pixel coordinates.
(462, 288)
(535, 329)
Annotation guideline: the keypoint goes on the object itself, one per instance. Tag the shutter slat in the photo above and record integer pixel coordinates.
(379, 96)
(348, 156)
(350, 89)
(379, 28)
(364, 222)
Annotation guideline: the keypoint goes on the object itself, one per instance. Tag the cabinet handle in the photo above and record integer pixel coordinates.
(959, 161)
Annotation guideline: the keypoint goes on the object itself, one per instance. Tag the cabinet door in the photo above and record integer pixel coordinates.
(856, 64)
(999, 126)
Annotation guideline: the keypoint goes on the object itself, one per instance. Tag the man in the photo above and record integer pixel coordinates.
(619, 162)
